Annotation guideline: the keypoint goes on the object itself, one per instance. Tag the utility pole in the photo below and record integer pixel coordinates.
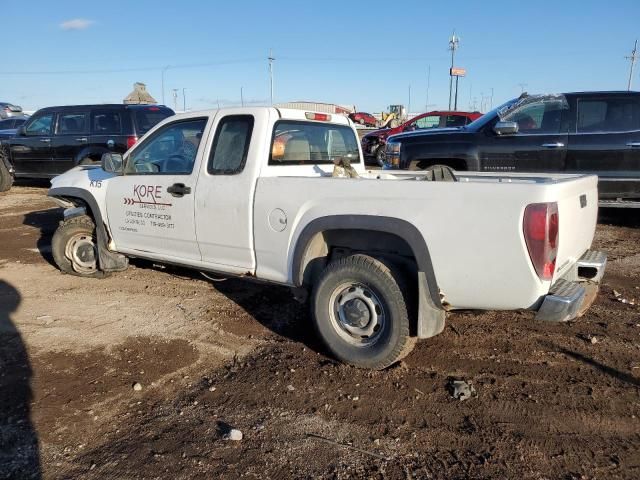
(175, 99)
(184, 100)
(426, 105)
(633, 58)
(453, 46)
(271, 59)
(241, 97)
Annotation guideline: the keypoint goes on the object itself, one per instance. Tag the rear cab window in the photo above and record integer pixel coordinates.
(148, 117)
(312, 143)
(70, 123)
(617, 114)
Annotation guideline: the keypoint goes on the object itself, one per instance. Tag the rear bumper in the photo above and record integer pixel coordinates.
(571, 295)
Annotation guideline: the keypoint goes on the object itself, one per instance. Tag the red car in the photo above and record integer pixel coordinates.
(364, 119)
(373, 143)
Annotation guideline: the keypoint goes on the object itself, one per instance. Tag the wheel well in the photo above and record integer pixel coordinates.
(455, 163)
(332, 244)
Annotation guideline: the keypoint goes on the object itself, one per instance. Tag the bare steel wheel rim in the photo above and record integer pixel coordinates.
(357, 314)
(81, 252)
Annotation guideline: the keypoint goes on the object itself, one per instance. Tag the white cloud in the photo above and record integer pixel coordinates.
(76, 24)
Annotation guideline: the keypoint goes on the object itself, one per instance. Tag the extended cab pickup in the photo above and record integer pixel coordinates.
(250, 192)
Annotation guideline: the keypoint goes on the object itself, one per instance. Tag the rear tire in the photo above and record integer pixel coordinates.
(360, 310)
(75, 249)
(6, 179)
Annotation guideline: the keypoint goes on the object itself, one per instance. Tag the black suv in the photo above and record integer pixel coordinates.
(588, 132)
(56, 139)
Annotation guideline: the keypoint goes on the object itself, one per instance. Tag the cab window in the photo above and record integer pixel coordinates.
(171, 150)
(106, 122)
(608, 115)
(40, 125)
(432, 121)
(306, 143)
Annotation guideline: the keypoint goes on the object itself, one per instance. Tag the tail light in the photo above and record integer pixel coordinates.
(541, 234)
(131, 141)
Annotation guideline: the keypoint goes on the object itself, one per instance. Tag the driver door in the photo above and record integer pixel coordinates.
(151, 206)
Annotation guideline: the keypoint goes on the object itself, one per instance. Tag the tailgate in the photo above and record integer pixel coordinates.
(578, 212)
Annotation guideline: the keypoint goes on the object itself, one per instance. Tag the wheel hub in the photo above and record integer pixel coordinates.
(357, 313)
(81, 251)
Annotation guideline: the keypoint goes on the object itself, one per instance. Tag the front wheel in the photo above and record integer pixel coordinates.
(75, 249)
(361, 313)
(6, 179)
(380, 155)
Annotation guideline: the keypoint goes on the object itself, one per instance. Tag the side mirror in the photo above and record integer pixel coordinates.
(112, 163)
(506, 128)
(21, 132)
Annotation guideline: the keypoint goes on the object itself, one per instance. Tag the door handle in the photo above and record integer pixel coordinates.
(45, 140)
(179, 190)
(81, 139)
(633, 144)
(553, 145)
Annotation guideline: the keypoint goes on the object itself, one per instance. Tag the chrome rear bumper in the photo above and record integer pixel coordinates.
(570, 296)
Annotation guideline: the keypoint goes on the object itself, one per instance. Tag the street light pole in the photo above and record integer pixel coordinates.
(633, 58)
(453, 46)
(271, 59)
(184, 100)
(164, 69)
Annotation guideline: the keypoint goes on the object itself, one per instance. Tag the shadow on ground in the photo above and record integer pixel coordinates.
(19, 452)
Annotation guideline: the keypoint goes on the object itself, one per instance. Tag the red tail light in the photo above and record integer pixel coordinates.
(131, 141)
(321, 117)
(541, 234)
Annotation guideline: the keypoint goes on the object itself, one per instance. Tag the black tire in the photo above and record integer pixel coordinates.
(346, 278)
(380, 155)
(6, 179)
(81, 257)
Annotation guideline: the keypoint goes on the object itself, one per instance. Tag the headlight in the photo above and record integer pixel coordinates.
(392, 154)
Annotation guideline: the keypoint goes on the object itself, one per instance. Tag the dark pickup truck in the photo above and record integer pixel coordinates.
(587, 132)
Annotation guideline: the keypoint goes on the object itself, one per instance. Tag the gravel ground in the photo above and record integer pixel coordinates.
(553, 401)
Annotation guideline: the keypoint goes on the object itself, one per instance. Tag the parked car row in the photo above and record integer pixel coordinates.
(585, 132)
(373, 143)
(56, 139)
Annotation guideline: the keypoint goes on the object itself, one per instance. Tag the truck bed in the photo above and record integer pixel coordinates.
(473, 227)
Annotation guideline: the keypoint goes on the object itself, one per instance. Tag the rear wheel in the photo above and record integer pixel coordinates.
(361, 121)
(6, 179)
(360, 312)
(75, 249)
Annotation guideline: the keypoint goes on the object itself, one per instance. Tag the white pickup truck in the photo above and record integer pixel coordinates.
(250, 192)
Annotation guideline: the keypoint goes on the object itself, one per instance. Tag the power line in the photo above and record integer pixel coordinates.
(633, 58)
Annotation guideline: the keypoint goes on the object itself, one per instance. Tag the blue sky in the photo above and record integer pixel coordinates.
(362, 53)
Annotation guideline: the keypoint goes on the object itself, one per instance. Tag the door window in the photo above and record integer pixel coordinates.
(171, 150)
(231, 145)
(539, 115)
(6, 124)
(608, 115)
(456, 121)
(40, 125)
(106, 122)
(72, 123)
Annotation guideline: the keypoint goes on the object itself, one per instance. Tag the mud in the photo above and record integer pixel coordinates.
(233, 354)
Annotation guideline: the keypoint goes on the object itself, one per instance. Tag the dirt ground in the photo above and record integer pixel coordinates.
(211, 356)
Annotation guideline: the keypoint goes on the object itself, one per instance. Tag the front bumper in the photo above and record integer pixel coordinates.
(571, 295)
